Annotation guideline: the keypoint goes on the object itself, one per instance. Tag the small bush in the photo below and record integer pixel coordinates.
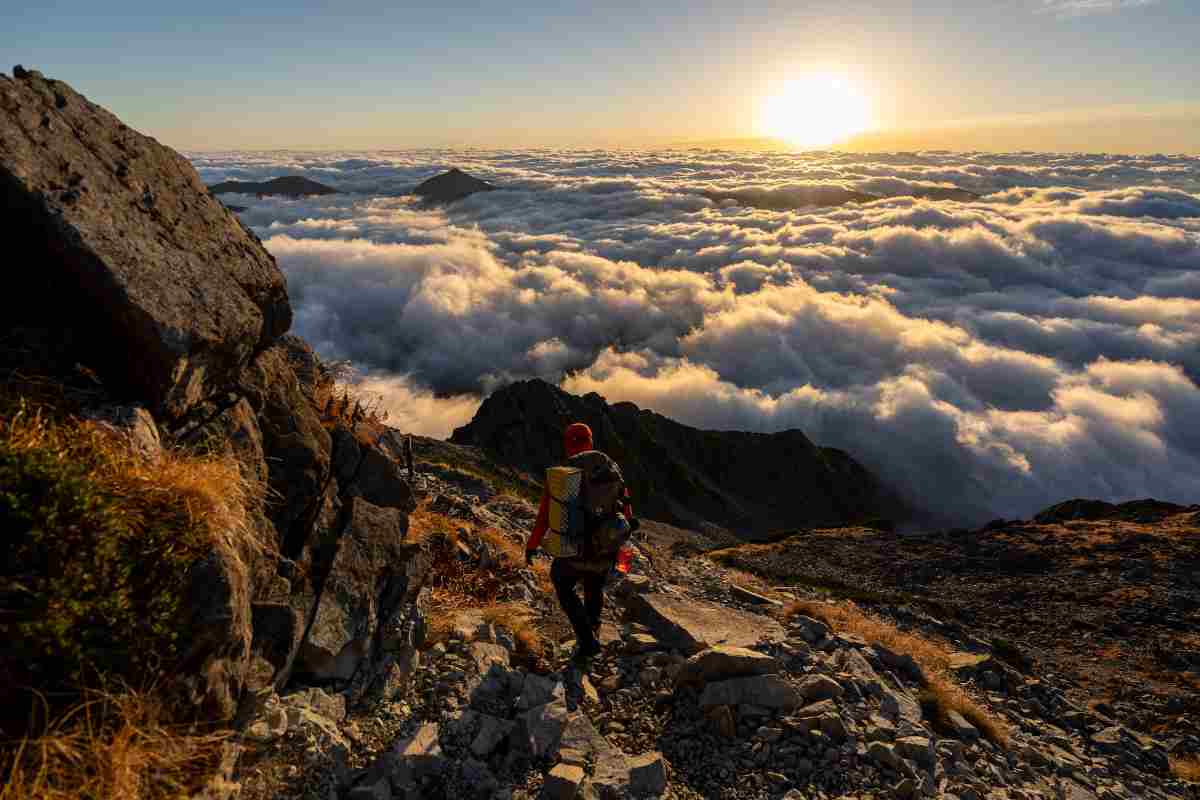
(98, 543)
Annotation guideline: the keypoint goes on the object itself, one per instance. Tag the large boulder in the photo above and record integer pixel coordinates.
(160, 290)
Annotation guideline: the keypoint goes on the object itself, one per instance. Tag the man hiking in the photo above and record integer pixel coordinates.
(602, 520)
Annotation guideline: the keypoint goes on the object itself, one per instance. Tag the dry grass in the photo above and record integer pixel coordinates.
(1186, 768)
(111, 747)
(747, 580)
(941, 693)
(462, 586)
(518, 619)
(207, 492)
(123, 531)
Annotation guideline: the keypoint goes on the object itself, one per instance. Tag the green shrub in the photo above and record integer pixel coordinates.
(98, 543)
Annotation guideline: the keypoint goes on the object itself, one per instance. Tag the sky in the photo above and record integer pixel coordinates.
(1065, 75)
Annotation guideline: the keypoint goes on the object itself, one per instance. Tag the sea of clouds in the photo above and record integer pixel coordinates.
(988, 358)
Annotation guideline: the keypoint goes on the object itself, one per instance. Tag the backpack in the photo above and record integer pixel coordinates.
(587, 508)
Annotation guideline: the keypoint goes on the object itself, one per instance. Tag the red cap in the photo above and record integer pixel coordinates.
(577, 438)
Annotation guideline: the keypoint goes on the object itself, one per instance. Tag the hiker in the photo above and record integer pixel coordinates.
(408, 457)
(601, 535)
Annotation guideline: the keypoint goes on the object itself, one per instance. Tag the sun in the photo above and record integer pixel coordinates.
(816, 111)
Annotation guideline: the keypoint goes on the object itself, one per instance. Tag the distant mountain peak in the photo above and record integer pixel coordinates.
(754, 483)
(451, 185)
(286, 186)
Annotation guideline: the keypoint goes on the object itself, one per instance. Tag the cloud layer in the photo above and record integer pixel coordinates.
(990, 357)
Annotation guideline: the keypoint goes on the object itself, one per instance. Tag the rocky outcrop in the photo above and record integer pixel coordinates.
(286, 186)
(177, 316)
(132, 268)
(450, 186)
(751, 482)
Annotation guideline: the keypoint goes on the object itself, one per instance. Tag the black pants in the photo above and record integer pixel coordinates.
(586, 615)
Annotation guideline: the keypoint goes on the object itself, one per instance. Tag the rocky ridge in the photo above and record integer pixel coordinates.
(166, 318)
(286, 186)
(752, 483)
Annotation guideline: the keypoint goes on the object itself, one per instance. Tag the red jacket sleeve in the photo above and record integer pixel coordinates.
(543, 522)
(628, 505)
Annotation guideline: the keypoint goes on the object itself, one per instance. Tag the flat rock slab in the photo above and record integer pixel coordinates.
(692, 626)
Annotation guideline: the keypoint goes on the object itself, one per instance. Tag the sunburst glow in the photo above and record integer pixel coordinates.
(816, 111)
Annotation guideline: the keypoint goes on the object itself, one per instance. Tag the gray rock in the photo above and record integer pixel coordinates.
(619, 776)
(901, 661)
(833, 726)
(492, 731)
(884, 754)
(820, 687)
(476, 775)
(538, 691)
(417, 757)
(631, 585)
(769, 691)
(902, 710)
(813, 630)
(961, 728)
(133, 253)
(562, 782)
(379, 790)
(542, 726)
(722, 662)
(917, 748)
(647, 775)
(692, 626)
(484, 655)
(331, 706)
(277, 632)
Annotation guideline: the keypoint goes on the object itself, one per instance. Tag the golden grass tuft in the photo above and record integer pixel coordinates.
(111, 747)
(1186, 768)
(941, 692)
(747, 580)
(123, 531)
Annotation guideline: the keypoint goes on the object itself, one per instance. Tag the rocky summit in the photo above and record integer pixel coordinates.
(752, 483)
(286, 186)
(449, 186)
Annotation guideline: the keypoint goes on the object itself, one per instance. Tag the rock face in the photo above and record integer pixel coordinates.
(135, 268)
(287, 186)
(138, 274)
(450, 186)
(751, 482)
